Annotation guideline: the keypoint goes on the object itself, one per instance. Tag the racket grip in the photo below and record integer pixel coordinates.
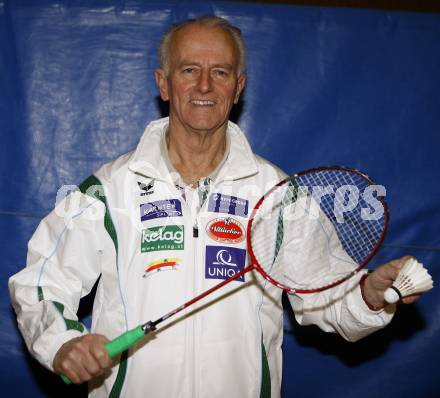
(118, 345)
(124, 341)
(65, 379)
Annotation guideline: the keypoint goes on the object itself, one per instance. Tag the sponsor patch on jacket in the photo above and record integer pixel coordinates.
(165, 237)
(146, 189)
(161, 208)
(220, 203)
(223, 262)
(164, 264)
(225, 230)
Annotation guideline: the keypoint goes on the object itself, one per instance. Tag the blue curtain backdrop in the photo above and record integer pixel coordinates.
(325, 86)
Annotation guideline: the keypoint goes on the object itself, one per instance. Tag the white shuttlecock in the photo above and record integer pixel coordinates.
(413, 278)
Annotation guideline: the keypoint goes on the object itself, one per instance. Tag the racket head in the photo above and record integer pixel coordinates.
(344, 215)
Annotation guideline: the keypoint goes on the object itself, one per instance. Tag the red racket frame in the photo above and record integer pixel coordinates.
(254, 261)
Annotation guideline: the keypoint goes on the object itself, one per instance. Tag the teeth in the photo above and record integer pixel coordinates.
(203, 103)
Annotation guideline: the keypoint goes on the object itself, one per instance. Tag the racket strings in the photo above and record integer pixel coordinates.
(357, 234)
(305, 239)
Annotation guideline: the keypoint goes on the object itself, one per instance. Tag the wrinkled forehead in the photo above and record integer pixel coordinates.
(200, 43)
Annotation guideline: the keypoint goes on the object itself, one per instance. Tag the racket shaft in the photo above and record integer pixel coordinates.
(127, 339)
(204, 294)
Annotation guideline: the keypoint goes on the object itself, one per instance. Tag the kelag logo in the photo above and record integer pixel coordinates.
(223, 262)
(161, 208)
(167, 237)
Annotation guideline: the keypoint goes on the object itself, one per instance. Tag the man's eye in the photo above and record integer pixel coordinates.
(188, 70)
(221, 73)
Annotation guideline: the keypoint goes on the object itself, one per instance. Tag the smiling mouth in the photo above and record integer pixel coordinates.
(202, 102)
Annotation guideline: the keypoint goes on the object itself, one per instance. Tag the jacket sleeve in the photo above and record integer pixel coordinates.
(63, 263)
(340, 309)
(315, 257)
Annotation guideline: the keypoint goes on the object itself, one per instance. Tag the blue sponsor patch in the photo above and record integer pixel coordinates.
(220, 203)
(161, 208)
(223, 262)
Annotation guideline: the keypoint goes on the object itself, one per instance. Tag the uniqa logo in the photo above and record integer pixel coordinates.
(223, 262)
(226, 230)
(223, 257)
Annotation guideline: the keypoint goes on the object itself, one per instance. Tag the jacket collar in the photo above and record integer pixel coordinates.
(147, 159)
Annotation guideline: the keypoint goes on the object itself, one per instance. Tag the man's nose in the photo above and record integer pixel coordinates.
(204, 83)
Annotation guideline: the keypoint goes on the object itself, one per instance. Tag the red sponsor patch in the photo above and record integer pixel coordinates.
(225, 230)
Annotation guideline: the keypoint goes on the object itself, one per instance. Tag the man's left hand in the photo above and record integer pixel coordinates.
(380, 280)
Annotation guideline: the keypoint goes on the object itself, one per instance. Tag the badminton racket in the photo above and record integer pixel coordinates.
(311, 232)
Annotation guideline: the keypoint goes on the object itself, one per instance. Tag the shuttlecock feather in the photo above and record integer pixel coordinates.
(413, 278)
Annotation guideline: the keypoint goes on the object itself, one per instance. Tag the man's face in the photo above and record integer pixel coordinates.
(202, 82)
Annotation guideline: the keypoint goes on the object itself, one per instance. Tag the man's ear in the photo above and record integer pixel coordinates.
(240, 86)
(162, 83)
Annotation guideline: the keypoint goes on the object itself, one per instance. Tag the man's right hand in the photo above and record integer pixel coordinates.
(82, 358)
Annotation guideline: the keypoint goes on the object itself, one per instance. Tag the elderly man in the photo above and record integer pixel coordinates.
(188, 170)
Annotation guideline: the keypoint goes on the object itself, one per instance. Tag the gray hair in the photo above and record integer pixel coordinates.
(211, 21)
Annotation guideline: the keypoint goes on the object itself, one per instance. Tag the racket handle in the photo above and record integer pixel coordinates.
(119, 344)
(65, 379)
(124, 341)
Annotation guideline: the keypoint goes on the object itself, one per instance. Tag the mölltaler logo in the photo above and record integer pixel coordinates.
(225, 230)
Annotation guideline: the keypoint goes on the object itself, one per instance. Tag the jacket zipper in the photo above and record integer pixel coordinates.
(195, 230)
(195, 242)
(191, 351)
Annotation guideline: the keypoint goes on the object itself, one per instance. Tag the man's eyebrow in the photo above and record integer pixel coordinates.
(193, 63)
(225, 66)
(188, 62)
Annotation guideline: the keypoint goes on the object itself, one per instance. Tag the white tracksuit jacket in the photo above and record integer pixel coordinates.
(129, 225)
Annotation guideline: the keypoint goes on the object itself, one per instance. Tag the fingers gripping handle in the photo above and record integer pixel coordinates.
(120, 344)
